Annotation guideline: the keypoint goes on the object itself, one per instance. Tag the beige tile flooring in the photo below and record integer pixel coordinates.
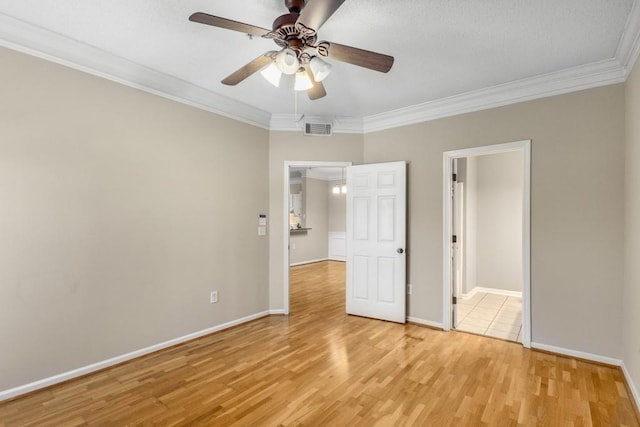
(492, 315)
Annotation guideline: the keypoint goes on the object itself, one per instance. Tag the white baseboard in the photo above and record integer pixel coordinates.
(634, 391)
(65, 376)
(311, 261)
(429, 323)
(503, 292)
(276, 312)
(578, 354)
(337, 258)
(470, 294)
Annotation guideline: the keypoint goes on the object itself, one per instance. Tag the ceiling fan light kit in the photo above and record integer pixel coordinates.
(296, 34)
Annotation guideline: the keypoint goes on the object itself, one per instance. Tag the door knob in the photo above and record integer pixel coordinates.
(400, 250)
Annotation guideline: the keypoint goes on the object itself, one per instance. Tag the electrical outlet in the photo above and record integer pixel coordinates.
(214, 297)
(409, 289)
(293, 246)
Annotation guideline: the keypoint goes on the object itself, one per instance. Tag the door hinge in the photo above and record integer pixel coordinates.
(454, 177)
(454, 300)
(454, 239)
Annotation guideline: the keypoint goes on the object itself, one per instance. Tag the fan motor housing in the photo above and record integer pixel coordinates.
(294, 6)
(289, 33)
(288, 20)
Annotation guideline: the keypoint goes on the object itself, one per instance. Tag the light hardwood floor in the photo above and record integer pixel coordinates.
(321, 367)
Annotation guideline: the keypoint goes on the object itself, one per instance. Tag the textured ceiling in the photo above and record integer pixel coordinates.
(441, 48)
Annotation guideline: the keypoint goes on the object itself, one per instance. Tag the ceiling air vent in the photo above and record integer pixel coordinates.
(318, 129)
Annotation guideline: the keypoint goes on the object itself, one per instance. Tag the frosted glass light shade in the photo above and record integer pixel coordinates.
(320, 68)
(287, 61)
(272, 74)
(303, 82)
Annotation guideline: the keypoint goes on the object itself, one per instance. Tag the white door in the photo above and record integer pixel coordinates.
(376, 253)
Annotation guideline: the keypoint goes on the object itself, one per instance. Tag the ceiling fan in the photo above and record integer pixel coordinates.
(300, 51)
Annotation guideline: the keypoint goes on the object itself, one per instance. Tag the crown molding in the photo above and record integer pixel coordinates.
(570, 80)
(629, 45)
(285, 123)
(349, 125)
(293, 123)
(35, 41)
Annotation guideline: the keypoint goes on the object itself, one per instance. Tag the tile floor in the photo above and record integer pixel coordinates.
(492, 315)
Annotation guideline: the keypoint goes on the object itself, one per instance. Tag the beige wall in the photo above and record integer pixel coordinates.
(118, 227)
(631, 291)
(337, 210)
(577, 199)
(114, 224)
(312, 245)
(294, 146)
(498, 211)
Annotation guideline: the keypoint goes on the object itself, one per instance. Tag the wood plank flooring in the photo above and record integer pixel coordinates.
(322, 367)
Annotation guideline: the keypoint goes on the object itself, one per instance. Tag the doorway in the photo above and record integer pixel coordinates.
(375, 237)
(486, 241)
(311, 232)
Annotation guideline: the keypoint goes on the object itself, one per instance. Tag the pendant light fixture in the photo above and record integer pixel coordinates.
(340, 188)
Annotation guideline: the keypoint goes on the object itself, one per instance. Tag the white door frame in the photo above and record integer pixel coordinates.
(448, 156)
(285, 217)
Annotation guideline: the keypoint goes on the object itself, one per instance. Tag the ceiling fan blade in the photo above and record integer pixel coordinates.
(363, 58)
(216, 21)
(316, 12)
(249, 69)
(317, 91)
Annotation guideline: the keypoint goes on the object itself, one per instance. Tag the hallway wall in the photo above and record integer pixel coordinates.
(312, 245)
(494, 196)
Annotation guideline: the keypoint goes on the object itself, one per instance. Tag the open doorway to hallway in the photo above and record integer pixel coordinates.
(487, 223)
(487, 241)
